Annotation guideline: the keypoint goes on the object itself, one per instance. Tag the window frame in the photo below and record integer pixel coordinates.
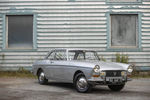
(55, 51)
(5, 33)
(124, 48)
(51, 55)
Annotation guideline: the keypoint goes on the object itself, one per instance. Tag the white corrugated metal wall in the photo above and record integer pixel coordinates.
(72, 24)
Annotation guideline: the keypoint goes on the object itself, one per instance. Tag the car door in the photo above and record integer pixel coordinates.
(55, 65)
(59, 65)
(49, 66)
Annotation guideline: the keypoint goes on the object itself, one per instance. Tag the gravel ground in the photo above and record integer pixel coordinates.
(29, 89)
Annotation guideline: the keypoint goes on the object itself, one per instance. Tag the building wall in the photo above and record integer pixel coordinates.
(73, 24)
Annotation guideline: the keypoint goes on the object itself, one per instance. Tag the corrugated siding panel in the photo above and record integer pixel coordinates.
(146, 31)
(72, 23)
(1, 26)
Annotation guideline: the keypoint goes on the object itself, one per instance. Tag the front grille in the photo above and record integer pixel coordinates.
(113, 73)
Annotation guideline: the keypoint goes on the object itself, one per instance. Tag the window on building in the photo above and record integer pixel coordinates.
(124, 30)
(124, 0)
(19, 31)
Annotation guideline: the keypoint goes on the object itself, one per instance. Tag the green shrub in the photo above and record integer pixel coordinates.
(122, 58)
(118, 59)
(23, 71)
(102, 59)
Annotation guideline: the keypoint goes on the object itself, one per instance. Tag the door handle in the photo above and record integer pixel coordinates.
(52, 62)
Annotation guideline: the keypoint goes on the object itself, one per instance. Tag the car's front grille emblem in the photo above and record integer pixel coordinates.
(114, 73)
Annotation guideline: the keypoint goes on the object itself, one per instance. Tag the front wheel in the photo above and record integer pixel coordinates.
(116, 87)
(81, 83)
(41, 77)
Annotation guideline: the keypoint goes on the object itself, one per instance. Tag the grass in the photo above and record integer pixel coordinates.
(137, 74)
(20, 73)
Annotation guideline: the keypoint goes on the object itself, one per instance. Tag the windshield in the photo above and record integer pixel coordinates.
(82, 55)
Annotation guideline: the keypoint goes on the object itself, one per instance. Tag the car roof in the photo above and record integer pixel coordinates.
(68, 49)
(72, 49)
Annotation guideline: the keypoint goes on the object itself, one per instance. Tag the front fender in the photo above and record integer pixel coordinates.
(87, 72)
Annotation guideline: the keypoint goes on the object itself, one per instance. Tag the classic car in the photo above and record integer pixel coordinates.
(83, 68)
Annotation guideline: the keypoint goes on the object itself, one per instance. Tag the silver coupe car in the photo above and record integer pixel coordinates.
(83, 68)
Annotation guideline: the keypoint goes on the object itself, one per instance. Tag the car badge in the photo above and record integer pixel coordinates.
(115, 73)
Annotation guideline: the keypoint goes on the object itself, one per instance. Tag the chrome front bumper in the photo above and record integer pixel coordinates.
(109, 80)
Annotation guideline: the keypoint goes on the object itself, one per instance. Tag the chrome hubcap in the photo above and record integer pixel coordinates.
(41, 77)
(82, 83)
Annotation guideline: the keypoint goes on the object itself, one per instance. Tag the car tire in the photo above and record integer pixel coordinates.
(81, 83)
(41, 78)
(116, 87)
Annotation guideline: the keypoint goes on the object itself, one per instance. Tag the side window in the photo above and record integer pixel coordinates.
(80, 56)
(71, 55)
(90, 56)
(60, 55)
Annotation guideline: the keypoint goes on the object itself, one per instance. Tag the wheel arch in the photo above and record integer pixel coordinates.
(75, 82)
(77, 72)
(38, 70)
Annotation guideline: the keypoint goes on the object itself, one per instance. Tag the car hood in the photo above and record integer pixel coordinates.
(104, 65)
(111, 65)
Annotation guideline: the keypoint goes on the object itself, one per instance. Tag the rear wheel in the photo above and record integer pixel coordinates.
(81, 83)
(116, 87)
(41, 78)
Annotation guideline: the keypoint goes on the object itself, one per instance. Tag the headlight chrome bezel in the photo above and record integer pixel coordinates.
(130, 69)
(96, 69)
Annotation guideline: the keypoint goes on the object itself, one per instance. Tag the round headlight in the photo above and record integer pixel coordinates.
(130, 69)
(96, 69)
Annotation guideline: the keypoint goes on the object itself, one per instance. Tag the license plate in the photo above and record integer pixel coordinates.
(113, 79)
